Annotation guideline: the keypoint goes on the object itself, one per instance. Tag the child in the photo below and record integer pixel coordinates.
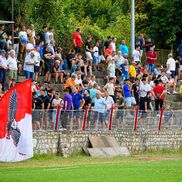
(111, 68)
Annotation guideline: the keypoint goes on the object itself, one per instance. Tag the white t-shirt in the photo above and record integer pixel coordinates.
(165, 79)
(144, 89)
(56, 102)
(120, 59)
(26, 67)
(50, 37)
(110, 88)
(113, 46)
(3, 62)
(109, 102)
(78, 81)
(172, 64)
(29, 46)
(37, 58)
(136, 56)
(96, 51)
(12, 63)
(23, 35)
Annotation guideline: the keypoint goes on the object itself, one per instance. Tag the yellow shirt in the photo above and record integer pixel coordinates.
(132, 71)
(180, 89)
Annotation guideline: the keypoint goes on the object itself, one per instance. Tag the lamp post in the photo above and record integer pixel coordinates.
(12, 19)
(132, 25)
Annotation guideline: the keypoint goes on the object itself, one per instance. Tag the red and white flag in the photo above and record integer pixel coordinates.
(16, 123)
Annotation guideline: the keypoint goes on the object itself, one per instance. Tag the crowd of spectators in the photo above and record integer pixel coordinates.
(129, 81)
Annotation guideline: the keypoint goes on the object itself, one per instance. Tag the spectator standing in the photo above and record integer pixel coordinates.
(77, 40)
(50, 37)
(171, 65)
(30, 46)
(111, 68)
(179, 50)
(149, 44)
(159, 94)
(106, 44)
(3, 68)
(23, 42)
(37, 62)
(113, 44)
(132, 70)
(12, 67)
(16, 41)
(47, 103)
(49, 62)
(141, 42)
(119, 58)
(70, 83)
(29, 65)
(78, 103)
(151, 59)
(31, 33)
(110, 88)
(124, 48)
(42, 35)
(135, 90)
(100, 108)
(136, 55)
(3, 37)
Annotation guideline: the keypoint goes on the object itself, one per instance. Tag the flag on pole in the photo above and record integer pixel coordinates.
(16, 123)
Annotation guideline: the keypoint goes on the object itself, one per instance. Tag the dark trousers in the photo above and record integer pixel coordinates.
(158, 103)
(3, 78)
(77, 49)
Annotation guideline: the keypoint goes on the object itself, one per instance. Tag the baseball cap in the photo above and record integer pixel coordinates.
(2, 51)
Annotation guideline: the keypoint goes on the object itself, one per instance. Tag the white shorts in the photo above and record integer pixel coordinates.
(89, 56)
(130, 101)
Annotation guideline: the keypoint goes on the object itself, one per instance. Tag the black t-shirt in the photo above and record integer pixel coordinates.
(46, 100)
(38, 102)
(16, 34)
(48, 53)
(148, 45)
(88, 100)
(100, 49)
(42, 36)
(88, 44)
(106, 44)
(135, 89)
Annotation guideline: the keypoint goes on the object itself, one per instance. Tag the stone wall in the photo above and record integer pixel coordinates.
(67, 143)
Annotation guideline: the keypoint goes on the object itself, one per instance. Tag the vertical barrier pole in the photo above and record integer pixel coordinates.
(57, 116)
(111, 117)
(160, 119)
(85, 118)
(136, 118)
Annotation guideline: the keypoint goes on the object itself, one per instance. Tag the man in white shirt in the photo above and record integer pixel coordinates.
(3, 68)
(119, 58)
(29, 46)
(29, 65)
(12, 66)
(171, 65)
(136, 55)
(50, 37)
(144, 89)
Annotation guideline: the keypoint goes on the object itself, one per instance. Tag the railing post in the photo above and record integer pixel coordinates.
(85, 118)
(136, 118)
(57, 116)
(160, 119)
(111, 117)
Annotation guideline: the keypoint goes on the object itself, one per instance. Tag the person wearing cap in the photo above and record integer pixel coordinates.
(12, 67)
(171, 65)
(3, 68)
(28, 66)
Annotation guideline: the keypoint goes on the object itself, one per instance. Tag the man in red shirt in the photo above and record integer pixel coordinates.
(159, 93)
(77, 40)
(151, 59)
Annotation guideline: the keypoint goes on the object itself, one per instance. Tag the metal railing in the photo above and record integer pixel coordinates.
(113, 119)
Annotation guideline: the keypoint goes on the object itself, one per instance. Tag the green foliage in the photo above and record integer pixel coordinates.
(159, 19)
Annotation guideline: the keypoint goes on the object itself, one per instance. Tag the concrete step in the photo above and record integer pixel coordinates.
(174, 98)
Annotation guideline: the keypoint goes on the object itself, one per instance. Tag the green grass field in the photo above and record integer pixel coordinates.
(146, 167)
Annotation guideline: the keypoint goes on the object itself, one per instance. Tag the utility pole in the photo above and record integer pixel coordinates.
(132, 25)
(12, 19)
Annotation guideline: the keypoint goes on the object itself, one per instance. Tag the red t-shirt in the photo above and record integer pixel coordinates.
(158, 89)
(108, 51)
(150, 55)
(78, 39)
